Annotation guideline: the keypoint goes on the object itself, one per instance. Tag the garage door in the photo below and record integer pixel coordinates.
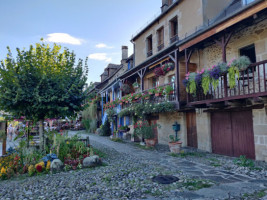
(232, 133)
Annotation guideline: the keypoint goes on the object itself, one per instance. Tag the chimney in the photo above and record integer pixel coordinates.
(124, 52)
(164, 6)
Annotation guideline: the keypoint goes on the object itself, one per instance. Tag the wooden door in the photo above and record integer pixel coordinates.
(232, 133)
(222, 142)
(191, 129)
(243, 137)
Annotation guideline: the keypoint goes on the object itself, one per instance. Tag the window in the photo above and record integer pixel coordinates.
(155, 82)
(149, 46)
(171, 78)
(173, 30)
(160, 35)
(249, 51)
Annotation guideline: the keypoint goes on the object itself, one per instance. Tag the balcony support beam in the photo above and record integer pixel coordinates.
(223, 44)
(187, 59)
(176, 63)
(141, 74)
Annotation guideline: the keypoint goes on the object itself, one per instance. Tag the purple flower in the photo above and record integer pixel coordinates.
(215, 73)
(185, 82)
(198, 79)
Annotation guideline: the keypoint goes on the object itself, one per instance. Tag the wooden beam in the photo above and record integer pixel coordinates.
(173, 59)
(224, 25)
(159, 63)
(187, 59)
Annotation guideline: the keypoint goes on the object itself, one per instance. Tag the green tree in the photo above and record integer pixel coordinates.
(42, 82)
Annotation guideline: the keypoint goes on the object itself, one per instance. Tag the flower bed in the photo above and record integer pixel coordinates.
(71, 152)
(210, 76)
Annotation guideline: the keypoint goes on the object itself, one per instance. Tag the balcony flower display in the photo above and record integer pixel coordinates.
(125, 88)
(167, 67)
(212, 75)
(159, 91)
(151, 91)
(146, 96)
(168, 90)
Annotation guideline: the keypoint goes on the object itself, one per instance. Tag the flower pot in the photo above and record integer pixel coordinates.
(150, 93)
(126, 101)
(147, 98)
(175, 147)
(150, 142)
(158, 94)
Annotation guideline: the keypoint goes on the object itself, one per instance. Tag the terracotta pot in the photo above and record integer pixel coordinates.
(158, 94)
(175, 147)
(150, 142)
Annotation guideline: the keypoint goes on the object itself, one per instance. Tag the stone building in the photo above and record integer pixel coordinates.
(189, 36)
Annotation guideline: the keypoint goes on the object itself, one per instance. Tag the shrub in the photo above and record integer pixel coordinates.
(106, 129)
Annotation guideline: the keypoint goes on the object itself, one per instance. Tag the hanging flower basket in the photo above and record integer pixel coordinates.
(126, 88)
(135, 85)
(159, 72)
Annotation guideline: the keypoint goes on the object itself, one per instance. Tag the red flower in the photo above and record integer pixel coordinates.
(39, 168)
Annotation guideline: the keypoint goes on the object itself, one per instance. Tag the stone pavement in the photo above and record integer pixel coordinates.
(227, 183)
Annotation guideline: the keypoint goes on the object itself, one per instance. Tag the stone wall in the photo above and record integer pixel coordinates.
(166, 120)
(203, 130)
(260, 133)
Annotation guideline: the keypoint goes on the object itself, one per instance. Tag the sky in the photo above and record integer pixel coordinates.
(91, 28)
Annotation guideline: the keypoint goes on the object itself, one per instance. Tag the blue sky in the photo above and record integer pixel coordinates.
(94, 28)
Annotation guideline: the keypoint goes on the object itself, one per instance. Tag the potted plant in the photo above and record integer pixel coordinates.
(168, 90)
(126, 88)
(151, 91)
(175, 144)
(159, 71)
(135, 85)
(159, 91)
(146, 131)
(146, 96)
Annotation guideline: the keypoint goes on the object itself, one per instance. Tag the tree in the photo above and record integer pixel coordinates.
(42, 82)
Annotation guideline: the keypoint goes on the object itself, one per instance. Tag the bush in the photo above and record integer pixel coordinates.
(106, 129)
(86, 124)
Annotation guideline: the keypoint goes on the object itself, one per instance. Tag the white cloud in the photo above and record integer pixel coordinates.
(63, 38)
(102, 45)
(100, 56)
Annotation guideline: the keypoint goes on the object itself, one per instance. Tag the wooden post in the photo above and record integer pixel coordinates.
(175, 59)
(223, 44)
(4, 127)
(187, 59)
(141, 74)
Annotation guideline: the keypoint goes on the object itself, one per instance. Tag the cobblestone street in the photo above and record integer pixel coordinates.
(128, 174)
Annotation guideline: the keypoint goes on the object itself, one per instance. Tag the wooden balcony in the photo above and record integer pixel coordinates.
(154, 98)
(251, 84)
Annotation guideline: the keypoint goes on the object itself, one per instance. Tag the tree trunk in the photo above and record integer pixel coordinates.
(4, 127)
(41, 134)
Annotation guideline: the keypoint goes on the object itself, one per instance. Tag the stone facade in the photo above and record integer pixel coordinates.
(203, 130)
(166, 120)
(260, 133)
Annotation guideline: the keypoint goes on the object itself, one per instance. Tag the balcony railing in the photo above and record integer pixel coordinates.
(149, 53)
(251, 83)
(160, 47)
(154, 98)
(174, 39)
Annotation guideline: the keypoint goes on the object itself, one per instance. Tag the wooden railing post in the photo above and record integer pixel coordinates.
(223, 43)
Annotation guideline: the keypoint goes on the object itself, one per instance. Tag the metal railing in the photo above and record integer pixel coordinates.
(149, 53)
(251, 83)
(160, 47)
